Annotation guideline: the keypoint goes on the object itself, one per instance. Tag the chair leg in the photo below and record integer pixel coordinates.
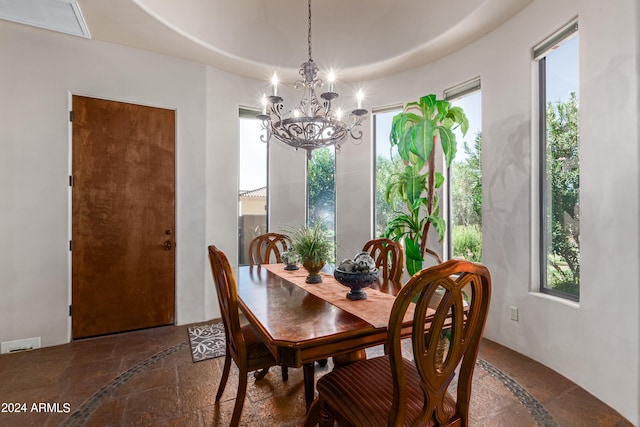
(242, 392)
(225, 376)
(260, 373)
(313, 414)
(326, 420)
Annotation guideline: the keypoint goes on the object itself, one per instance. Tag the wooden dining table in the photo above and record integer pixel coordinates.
(300, 324)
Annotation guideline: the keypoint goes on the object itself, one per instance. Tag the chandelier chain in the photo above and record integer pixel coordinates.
(309, 33)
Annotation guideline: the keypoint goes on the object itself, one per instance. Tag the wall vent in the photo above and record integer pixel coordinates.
(63, 16)
(19, 345)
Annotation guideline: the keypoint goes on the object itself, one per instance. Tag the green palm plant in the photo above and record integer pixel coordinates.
(313, 242)
(415, 133)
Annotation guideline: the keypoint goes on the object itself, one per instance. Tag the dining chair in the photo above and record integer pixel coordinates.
(243, 346)
(389, 258)
(415, 392)
(268, 247)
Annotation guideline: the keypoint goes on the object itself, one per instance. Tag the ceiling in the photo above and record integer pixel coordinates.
(360, 39)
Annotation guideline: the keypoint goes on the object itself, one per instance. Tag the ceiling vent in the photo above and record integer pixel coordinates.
(63, 16)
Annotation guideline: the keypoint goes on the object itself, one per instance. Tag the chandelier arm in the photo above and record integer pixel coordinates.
(358, 134)
(267, 131)
(327, 108)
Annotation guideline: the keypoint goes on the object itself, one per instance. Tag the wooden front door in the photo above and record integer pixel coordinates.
(123, 217)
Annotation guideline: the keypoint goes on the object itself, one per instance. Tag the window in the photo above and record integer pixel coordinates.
(321, 188)
(384, 167)
(252, 184)
(559, 164)
(464, 215)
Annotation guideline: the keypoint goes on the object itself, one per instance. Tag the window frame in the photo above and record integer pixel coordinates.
(397, 109)
(251, 114)
(540, 53)
(456, 92)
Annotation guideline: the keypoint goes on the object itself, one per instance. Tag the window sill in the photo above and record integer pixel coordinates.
(554, 298)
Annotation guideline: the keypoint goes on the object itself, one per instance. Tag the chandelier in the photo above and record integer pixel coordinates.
(312, 123)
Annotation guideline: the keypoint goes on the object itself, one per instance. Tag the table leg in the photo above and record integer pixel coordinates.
(308, 369)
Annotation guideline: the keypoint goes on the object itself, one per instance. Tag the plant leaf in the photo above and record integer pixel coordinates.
(413, 266)
(414, 257)
(415, 185)
(442, 106)
(428, 105)
(439, 224)
(448, 141)
(458, 116)
(413, 250)
(423, 136)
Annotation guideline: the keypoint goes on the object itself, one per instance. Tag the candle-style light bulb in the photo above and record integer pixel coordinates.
(339, 114)
(274, 82)
(331, 77)
(264, 104)
(360, 97)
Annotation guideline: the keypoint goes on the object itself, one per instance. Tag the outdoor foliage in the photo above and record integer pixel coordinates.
(385, 168)
(467, 242)
(466, 186)
(562, 215)
(321, 187)
(466, 200)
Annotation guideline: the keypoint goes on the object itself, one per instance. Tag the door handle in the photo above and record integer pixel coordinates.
(167, 245)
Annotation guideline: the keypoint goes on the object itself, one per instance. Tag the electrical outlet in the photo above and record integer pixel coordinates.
(514, 313)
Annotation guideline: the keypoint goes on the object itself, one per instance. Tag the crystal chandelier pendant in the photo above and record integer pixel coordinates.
(312, 123)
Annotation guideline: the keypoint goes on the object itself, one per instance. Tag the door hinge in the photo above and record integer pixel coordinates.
(71, 310)
(70, 245)
(70, 116)
(70, 180)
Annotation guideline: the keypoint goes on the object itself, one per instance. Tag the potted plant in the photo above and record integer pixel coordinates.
(416, 133)
(314, 245)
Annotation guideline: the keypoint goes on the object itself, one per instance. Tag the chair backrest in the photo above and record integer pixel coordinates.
(267, 247)
(389, 258)
(225, 283)
(463, 289)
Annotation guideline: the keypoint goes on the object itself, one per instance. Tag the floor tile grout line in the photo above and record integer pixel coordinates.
(88, 407)
(539, 413)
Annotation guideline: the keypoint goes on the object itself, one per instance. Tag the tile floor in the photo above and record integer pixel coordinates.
(147, 378)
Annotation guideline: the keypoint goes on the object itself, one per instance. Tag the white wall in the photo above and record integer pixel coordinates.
(287, 187)
(40, 71)
(354, 194)
(596, 342)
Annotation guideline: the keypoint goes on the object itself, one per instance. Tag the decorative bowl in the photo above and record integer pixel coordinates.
(356, 281)
(291, 259)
